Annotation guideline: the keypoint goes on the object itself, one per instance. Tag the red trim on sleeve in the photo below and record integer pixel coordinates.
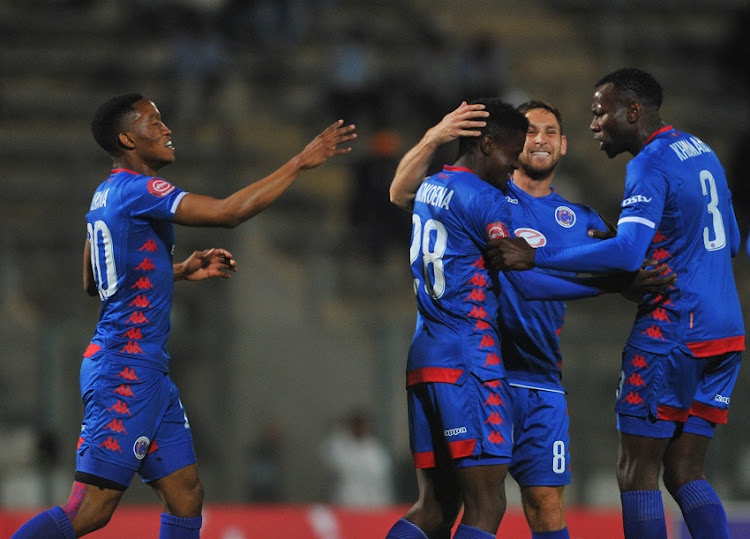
(433, 374)
(709, 413)
(717, 347)
(91, 349)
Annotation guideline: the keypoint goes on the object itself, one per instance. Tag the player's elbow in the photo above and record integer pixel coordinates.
(402, 200)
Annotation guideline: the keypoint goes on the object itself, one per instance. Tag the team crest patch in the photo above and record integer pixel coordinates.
(159, 187)
(565, 217)
(497, 230)
(140, 447)
(533, 237)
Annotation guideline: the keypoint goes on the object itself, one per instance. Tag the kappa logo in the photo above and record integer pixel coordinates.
(635, 199)
(565, 217)
(159, 187)
(454, 432)
(533, 237)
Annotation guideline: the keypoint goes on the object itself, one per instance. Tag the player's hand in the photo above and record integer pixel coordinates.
(510, 254)
(327, 144)
(652, 278)
(465, 121)
(206, 264)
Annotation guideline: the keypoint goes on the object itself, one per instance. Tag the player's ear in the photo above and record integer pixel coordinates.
(563, 145)
(634, 112)
(486, 144)
(125, 141)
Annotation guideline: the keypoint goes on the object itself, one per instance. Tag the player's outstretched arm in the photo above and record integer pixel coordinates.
(201, 210)
(465, 121)
(205, 265)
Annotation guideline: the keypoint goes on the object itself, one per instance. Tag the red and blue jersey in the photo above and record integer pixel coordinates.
(131, 235)
(677, 209)
(455, 212)
(677, 187)
(530, 330)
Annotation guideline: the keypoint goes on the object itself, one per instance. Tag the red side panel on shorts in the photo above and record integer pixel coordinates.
(670, 413)
(458, 449)
(709, 413)
(91, 349)
(433, 374)
(717, 346)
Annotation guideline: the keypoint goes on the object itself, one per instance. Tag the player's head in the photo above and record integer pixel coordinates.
(108, 121)
(500, 143)
(545, 141)
(626, 102)
(129, 127)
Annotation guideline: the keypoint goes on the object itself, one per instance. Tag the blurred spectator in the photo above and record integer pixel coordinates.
(378, 225)
(359, 464)
(484, 68)
(356, 85)
(264, 465)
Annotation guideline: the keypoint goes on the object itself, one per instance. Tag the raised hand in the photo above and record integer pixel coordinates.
(326, 144)
(464, 121)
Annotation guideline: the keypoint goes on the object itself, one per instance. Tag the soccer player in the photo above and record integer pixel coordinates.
(134, 421)
(459, 406)
(682, 358)
(529, 329)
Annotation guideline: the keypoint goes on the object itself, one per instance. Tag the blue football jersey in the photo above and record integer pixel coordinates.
(455, 212)
(530, 330)
(131, 234)
(677, 187)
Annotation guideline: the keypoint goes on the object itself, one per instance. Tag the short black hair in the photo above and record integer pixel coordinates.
(532, 104)
(106, 124)
(503, 120)
(638, 84)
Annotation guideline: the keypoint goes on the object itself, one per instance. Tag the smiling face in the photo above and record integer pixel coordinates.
(147, 137)
(545, 144)
(610, 125)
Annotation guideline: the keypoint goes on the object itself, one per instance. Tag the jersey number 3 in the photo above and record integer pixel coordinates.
(708, 186)
(432, 251)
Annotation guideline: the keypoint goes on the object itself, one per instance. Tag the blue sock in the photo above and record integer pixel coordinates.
(403, 529)
(470, 532)
(702, 510)
(52, 524)
(559, 534)
(643, 514)
(173, 527)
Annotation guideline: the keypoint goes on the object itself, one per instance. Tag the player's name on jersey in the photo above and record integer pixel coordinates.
(685, 149)
(434, 195)
(99, 200)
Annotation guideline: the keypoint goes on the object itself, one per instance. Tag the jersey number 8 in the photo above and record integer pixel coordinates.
(432, 253)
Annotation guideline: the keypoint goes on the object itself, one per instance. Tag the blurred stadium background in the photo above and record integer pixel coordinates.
(312, 325)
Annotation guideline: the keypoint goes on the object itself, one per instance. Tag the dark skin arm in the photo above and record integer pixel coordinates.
(200, 265)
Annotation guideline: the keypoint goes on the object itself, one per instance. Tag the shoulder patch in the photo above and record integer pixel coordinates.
(159, 187)
(497, 230)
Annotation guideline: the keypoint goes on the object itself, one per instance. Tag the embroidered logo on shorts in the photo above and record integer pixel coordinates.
(565, 217)
(140, 447)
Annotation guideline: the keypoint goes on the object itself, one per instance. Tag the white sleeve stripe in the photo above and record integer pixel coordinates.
(176, 202)
(640, 220)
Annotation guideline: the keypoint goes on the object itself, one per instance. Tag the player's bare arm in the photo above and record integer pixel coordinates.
(89, 285)
(202, 210)
(465, 121)
(510, 254)
(205, 264)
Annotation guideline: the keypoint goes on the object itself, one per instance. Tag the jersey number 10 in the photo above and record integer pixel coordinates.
(102, 258)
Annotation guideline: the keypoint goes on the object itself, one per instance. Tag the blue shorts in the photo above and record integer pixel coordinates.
(133, 422)
(540, 438)
(661, 393)
(460, 425)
